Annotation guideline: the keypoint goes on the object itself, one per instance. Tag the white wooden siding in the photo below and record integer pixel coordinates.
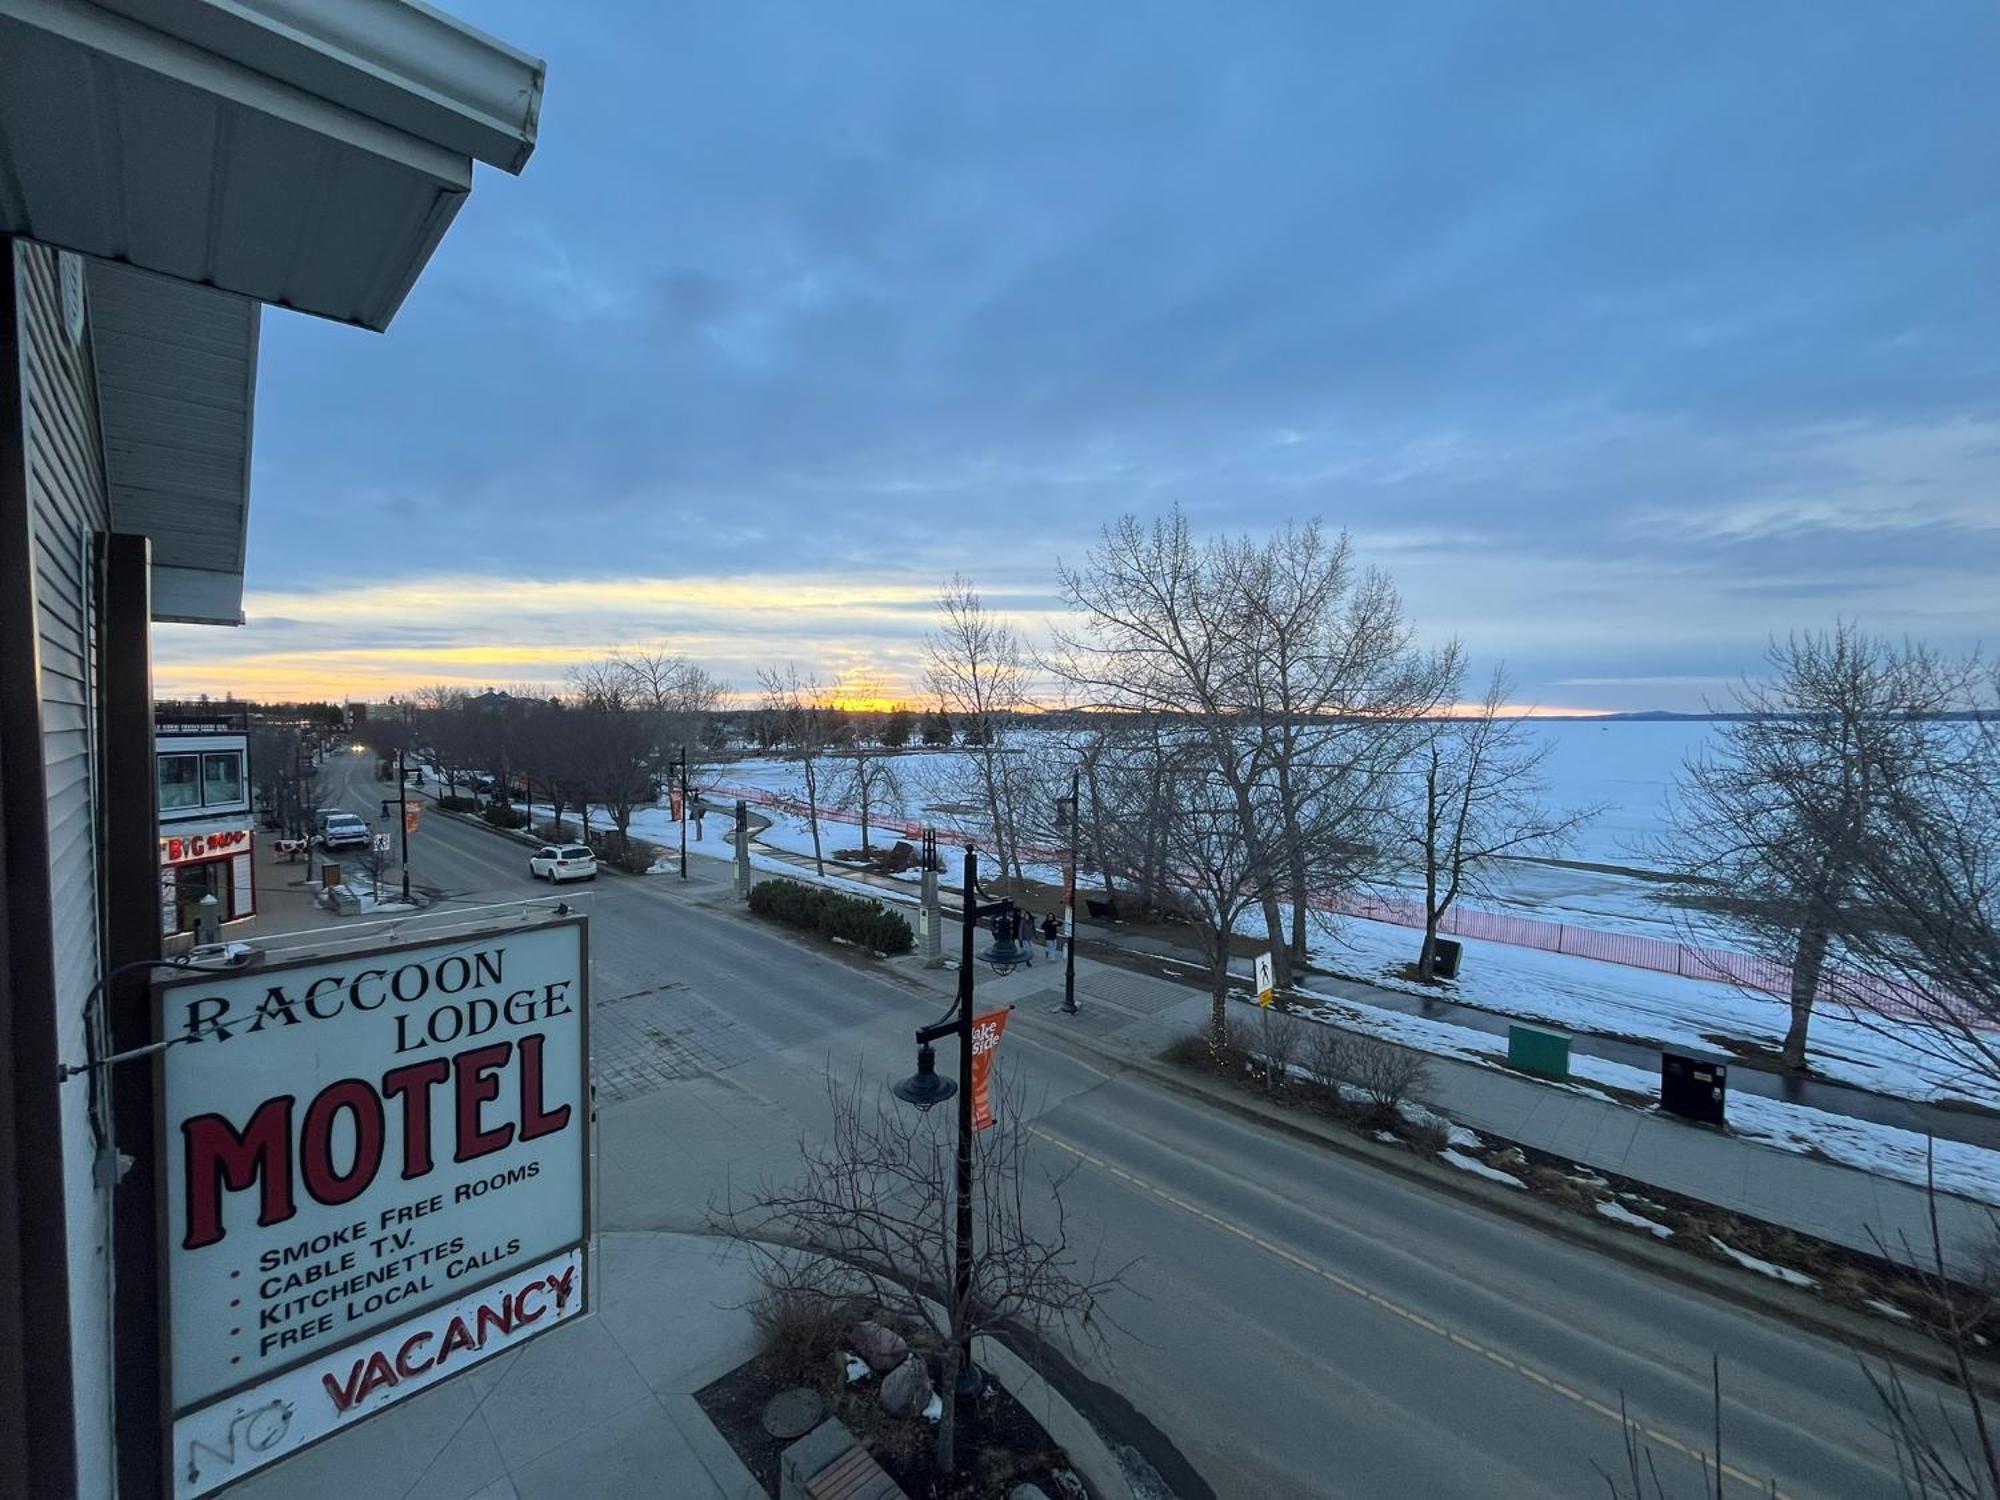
(67, 507)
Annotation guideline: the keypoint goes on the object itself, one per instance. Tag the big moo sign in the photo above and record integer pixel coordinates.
(376, 1174)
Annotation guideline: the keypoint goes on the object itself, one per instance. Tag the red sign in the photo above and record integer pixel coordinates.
(985, 1042)
(184, 848)
(413, 816)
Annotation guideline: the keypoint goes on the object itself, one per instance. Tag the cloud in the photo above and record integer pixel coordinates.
(1608, 350)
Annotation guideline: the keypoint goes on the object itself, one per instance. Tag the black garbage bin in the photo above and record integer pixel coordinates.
(1445, 955)
(1695, 1088)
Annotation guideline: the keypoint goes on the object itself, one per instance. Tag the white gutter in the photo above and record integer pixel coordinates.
(397, 61)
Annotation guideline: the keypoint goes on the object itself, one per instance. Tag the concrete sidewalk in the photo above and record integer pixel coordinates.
(1134, 1016)
(601, 1408)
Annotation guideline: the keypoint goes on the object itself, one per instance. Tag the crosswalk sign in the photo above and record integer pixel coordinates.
(1265, 985)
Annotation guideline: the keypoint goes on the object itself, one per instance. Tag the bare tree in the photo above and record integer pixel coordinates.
(977, 670)
(802, 712)
(1329, 678)
(1183, 843)
(1773, 826)
(866, 781)
(680, 696)
(871, 1213)
(442, 729)
(1164, 633)
(615, 738)
(1924, 931)
(550, 756)
(1479, 797)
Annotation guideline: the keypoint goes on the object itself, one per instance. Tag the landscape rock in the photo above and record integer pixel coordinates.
(883, 1348)
(906, 1389)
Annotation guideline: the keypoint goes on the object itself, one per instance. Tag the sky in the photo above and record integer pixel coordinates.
(1623, 338)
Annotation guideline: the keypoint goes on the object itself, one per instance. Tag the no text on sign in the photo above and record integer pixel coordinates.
(360, 1143)
(1266, 979)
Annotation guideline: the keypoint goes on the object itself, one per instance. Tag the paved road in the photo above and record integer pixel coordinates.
(1299, 1324)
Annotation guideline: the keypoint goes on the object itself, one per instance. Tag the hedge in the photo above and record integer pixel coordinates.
(500, 815)
(458, 804)
(812, 908)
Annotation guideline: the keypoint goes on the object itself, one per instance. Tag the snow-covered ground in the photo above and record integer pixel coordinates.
(1576, 994)
(1585, 995)
(1966, 1170)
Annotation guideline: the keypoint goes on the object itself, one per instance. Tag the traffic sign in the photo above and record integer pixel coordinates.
(1265, 981)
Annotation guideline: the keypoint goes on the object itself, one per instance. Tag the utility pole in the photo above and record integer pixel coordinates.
(1069, 897)
(403, 812)
(684, 812)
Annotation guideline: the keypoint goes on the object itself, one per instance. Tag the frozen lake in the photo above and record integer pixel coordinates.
(1627, 765)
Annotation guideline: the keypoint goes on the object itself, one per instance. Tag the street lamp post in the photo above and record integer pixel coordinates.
(684, 812)
(1069, 899)
(925, 1089)
(403, 814)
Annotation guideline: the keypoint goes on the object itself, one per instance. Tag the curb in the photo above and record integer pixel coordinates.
(1088, 1453)
(1851, 1330)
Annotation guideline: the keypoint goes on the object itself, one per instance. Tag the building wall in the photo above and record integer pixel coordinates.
(66, 496)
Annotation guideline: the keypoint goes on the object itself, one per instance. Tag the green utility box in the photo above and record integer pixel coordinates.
(1538, 1050)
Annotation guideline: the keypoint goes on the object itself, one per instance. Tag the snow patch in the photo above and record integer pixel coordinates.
(1619, 1213)
(1764, 1267)
(1479, 1168)
(1888, 1309)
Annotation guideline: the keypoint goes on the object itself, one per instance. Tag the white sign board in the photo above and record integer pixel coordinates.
(1265, 980)
(376, 1174)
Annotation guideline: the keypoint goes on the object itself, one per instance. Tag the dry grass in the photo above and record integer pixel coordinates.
(798, 1334)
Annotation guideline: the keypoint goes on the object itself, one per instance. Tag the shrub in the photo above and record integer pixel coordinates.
(555, 833)
(500, 815)
(1328, 1057)
(1386, 1073)
(798, 1332)
(1279, 1045)
(458, 804)
(634, 859)
(866, 924)
(1428, 1140)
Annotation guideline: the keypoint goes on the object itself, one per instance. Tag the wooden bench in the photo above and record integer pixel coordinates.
(828, 1464)
(853, 1476)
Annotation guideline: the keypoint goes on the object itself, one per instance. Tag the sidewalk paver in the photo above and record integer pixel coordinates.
(601, 1408)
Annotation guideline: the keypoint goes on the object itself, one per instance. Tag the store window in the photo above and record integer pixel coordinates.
(180, 781)
(222, 778)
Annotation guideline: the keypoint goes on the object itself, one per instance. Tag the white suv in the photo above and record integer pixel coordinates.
(553, 862)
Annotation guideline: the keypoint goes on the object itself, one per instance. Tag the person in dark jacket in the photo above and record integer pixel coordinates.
(1051, 932)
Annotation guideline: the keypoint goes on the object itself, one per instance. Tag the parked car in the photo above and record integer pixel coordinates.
(553, 862)
(344, 831)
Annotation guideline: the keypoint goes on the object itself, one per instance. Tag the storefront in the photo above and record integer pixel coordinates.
(219, 863)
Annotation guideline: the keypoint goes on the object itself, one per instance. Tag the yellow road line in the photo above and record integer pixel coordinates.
(1376, 1299)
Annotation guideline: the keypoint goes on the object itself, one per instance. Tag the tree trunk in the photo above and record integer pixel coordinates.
(1807, 962)
(864, 822)
(1097, 833)
(812, 817)
(1218, 996)
(1427, 955)
(944, 1458)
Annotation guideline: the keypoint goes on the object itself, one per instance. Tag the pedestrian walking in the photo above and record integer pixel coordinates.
(1024, 933)
(1051, 932)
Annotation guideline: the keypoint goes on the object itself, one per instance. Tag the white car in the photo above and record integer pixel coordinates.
(553, 862)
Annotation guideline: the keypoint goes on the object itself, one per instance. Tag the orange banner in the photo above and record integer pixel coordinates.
(985, 1042)
(413, 816)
